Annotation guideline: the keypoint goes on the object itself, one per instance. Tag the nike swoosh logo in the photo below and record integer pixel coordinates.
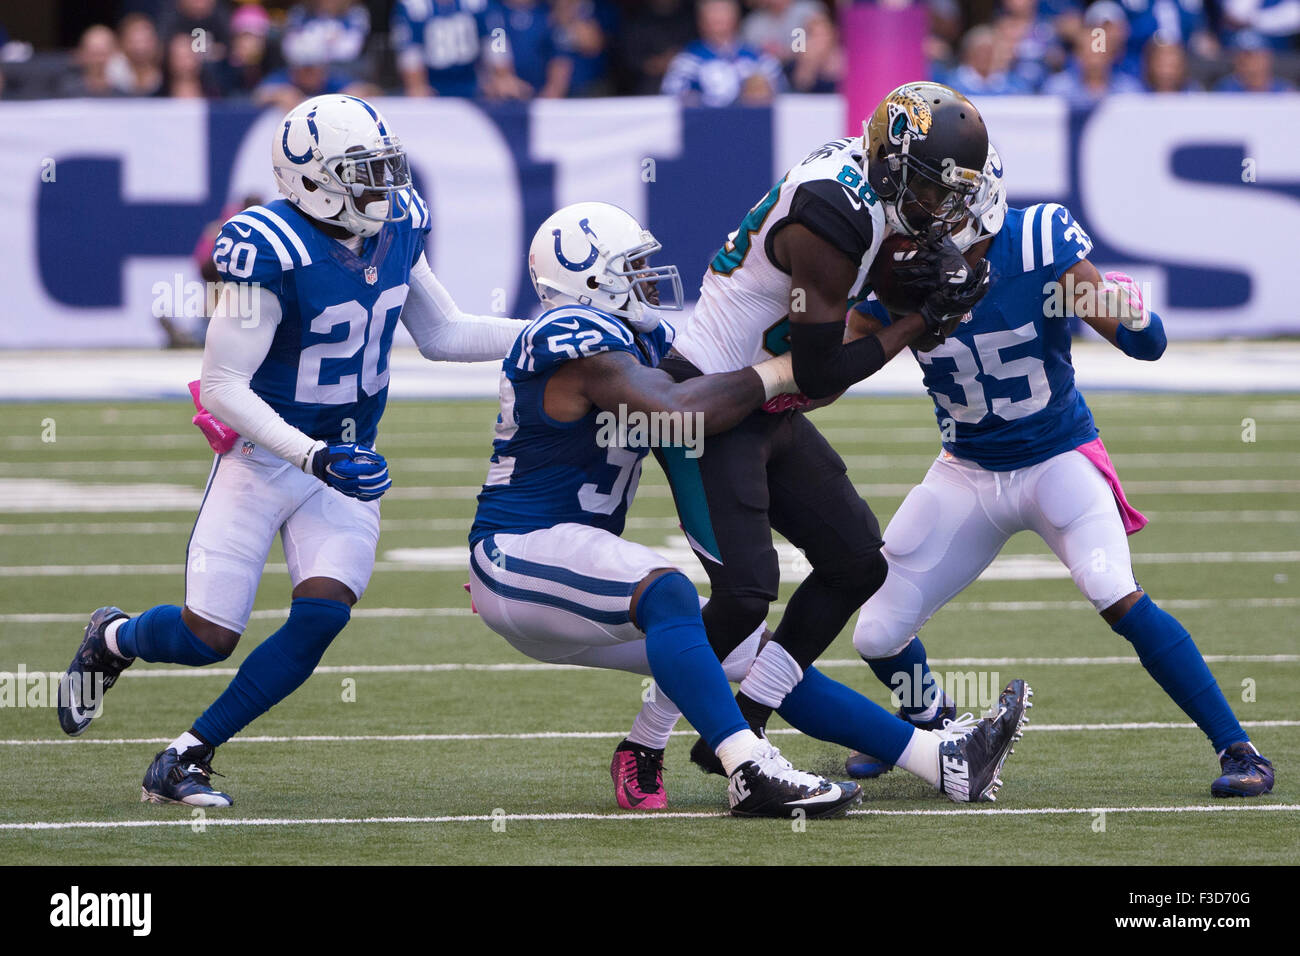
(243, 232)
(562, 325)
(632, 798)
(852, 200)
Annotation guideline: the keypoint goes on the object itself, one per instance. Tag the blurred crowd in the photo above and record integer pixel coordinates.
(1084, 51)
(711, 52)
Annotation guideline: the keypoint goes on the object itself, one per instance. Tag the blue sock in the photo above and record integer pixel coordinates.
(682, 661)
(276, 668)
(159, 635)
(907, 673)
(827, 710)
(1170, 655)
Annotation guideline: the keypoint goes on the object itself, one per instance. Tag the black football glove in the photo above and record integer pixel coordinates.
(930, 266)
(960, 292)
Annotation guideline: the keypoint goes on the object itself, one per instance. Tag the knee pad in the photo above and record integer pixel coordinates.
(874, 638)
(888, 621)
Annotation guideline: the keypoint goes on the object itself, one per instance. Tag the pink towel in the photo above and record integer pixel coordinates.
(1095, 452)
(471, 600)
(220, 436)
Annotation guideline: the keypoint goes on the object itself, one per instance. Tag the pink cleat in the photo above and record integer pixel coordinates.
(638, 774)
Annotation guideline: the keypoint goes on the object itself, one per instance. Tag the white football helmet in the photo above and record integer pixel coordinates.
(334, 151)
(592, 253)
(988, 209)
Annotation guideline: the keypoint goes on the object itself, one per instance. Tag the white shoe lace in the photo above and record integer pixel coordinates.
(959, 728)
(772, 764)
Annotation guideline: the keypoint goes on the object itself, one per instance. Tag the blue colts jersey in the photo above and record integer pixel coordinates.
(1003, 384)
(446, 37)
(326, 373)
(546, 472)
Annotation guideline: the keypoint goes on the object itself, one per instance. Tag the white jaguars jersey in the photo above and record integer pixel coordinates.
(742, 316)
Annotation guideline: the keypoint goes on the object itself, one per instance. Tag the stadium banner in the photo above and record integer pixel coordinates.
(104, 201)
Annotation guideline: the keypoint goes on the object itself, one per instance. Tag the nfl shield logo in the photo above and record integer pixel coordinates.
(372, 275)
(247, 449)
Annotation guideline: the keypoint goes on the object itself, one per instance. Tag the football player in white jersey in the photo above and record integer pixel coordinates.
(782, 283)
(550, 572)
(1021, 452)
(300, 371)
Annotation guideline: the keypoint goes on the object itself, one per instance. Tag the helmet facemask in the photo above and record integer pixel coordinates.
(367, 180)
(988, 209)
(920, 199)
(630, 272)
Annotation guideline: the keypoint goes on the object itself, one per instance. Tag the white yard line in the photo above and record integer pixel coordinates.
(532, 666)
(64, 496)
(1175, 604)
(455, 558)
(570, 735)
(215, 819)
(461, 525)
(919, 461)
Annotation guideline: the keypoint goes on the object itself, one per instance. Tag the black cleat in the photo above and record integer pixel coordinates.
(767, 785)
(94, 669)
(971, 752)
(1246, 773)
(183, 778)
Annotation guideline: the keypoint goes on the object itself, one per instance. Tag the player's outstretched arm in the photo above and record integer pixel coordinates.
(821, 279)
(1113, 306)
(612, 379)
(235, 348)
(443, 332)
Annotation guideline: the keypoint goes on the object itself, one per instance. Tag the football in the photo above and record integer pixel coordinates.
(894, 295)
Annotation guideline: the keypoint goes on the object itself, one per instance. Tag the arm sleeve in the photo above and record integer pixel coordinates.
(232, 354)
(444, 333)
(1147, 345)
(824, 365)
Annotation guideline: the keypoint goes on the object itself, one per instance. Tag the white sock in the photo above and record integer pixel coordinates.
(921, 756)
(110, 636)
(773, 675)
(655, 723)
(184, 742)
(736, 749)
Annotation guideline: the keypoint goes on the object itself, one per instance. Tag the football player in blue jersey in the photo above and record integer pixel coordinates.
(550, 572)
(1021, 453)
(296, 361)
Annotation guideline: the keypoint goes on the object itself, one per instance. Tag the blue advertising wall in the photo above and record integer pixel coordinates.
(1197, 195)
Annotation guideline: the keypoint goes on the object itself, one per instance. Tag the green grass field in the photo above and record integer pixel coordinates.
(443, 759)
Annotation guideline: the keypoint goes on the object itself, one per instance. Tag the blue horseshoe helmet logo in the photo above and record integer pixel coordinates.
(300, 158)
(586, 263)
